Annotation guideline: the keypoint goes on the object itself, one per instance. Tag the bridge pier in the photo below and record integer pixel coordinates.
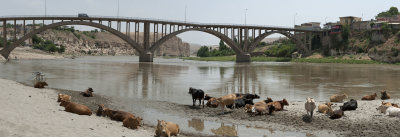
(5, 53)
(243, 58)
(146, 57)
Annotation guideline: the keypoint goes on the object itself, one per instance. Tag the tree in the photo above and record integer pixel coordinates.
(36, 39)
(393, 11)
(203, 52)
(346, 33)
(222, 46)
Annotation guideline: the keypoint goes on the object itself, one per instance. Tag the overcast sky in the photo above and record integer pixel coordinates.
(259, 12)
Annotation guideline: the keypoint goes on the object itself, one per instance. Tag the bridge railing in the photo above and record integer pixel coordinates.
(11, 17)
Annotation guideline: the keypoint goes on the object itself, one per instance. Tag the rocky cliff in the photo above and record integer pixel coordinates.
(104, 43)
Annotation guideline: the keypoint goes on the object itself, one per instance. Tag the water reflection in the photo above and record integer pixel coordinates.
(225, 130)
(197, 124)
(166, 81)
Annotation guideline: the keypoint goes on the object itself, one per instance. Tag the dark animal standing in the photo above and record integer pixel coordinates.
(337, 114)
(350, 105)
(40, 84)
(197, 94)
(385, 95)
(88, 93)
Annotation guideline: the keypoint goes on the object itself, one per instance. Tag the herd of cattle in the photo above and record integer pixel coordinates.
(164, 128)
(236, 100)
(268, 106)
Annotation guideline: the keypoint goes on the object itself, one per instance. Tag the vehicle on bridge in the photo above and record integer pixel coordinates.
(83, 15)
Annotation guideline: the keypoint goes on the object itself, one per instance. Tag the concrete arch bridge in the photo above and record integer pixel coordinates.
(243, 39)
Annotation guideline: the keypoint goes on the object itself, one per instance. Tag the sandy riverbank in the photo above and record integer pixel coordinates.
(365, 121)
(29, 53)
(34, 112)
(27, 111)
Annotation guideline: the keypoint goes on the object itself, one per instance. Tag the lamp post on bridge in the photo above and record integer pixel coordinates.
(118, 10)
(45, 8)
(245, 17)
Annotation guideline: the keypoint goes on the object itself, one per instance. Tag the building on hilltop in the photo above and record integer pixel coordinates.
(393, 19)
(309, 26)
(348, 20)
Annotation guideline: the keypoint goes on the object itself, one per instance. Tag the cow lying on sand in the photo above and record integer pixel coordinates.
(337, 114)
(75, 108)
(114, 115)
(211, 101)
(40, 85)
(88, 93)
(385, 95)
(132, 122)
(166, 129)
(325, 108)
(338, 98)
(369, 97)
(63, 97)
(279, 105)
(350, 105)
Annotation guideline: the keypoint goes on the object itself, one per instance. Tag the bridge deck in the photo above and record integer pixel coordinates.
(156, 21)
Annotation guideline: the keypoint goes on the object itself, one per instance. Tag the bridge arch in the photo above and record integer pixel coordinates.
(223, 37)
(5, 52)
(300, 46)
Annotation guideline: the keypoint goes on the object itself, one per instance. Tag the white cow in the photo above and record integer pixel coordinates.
(393, 111)
(310, 106)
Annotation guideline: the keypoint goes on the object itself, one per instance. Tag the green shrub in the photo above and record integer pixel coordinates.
(283, 50)
(395, 52)
(203, 52)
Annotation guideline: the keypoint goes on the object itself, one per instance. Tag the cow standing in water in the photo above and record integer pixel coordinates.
(197, 94)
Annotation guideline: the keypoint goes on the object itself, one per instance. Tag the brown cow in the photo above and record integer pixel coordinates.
(325, 108)
(211, 101)
(279, 105)
(337, 114)
(114, 115)
(75, 108)
(385, 95)
(40, 85)
(132, 122)
(88, 93)
(338, 98)
(63, 97)
(369, 97)
(225, 100)
(166, 129)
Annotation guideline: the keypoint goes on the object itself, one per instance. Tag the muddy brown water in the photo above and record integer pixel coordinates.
(169, 80)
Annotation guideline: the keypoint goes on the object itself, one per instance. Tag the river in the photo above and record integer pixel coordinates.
(169, 79)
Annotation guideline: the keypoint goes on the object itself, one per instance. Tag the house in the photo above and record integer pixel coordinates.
(309, 26)
(393, 19)
(348, 20)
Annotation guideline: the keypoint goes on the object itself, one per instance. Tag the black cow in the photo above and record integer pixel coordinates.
(241, 102)
(350, 105)
(269, 100)
(197, 94)
(247, 96)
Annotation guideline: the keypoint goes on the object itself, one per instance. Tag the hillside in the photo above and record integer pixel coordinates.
(104, 43)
